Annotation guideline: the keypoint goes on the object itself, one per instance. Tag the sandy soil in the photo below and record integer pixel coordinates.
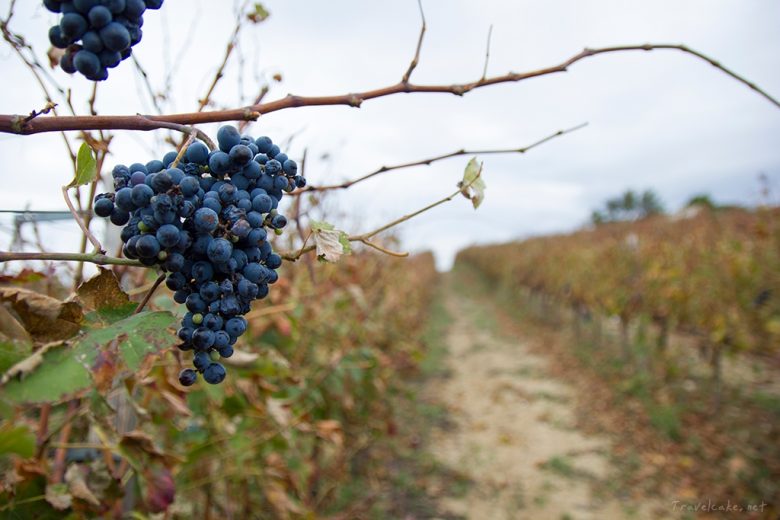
(512, 432)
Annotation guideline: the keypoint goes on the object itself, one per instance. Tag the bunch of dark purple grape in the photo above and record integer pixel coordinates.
(205, 221)
(97, 34)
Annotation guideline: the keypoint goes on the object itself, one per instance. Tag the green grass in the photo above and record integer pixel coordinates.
(770, 403)
(434, 338)
(562, 466)
(666, 419)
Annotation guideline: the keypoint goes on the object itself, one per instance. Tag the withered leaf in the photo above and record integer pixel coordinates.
(102, 291)
(45, 318)
(78, 487)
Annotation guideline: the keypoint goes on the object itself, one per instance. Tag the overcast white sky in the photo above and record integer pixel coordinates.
(659, 120)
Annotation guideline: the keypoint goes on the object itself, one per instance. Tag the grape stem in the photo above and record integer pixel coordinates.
(149, 293)
(11, 123)
(431, 160)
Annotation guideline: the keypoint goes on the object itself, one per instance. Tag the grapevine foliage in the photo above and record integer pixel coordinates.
(205, 221)
(97, 35)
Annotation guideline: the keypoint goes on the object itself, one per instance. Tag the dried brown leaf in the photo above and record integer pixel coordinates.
(102, 291)
(78, 487)
(44, 317)
(331, 431)
(11, 328)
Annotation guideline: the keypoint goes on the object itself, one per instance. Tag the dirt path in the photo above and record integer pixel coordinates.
(513, 431)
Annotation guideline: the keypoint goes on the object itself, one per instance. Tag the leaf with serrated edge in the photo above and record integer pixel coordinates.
(78, 487)
(86, 167)
(60, 371)
(472, 181)
(44, 317)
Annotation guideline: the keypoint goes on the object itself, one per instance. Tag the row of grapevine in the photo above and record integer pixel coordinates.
(312, 389)
(714, 274)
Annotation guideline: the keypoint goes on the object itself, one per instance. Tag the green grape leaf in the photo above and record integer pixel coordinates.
(12, 352)
(472, 186)
(16, 439)
(330, 242)
(259, 13)
(57, 371)
(86, 167)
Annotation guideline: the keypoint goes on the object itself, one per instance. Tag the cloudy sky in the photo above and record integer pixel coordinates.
(661, 120)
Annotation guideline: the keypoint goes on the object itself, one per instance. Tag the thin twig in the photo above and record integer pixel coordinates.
(12, 123)
(183, 148)
(416, 58)
(147, 83)
(430, 160)
(228, 51)
(93, 258)
(410, 216)
(462, 189)
(487, 52)
(43, 426)
(149, 294)
(101, 157)
(398, 254)
(59, 456)
(80, 222)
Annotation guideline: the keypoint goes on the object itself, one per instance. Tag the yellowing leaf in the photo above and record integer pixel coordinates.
(472, 185)
(102, 291)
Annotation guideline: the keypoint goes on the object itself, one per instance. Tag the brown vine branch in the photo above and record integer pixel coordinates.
(10, 123)
(430, 160)
(416, 59)
(93, 258)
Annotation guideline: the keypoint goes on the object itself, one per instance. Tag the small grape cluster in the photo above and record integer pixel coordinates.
(97, 34)
(205, 221)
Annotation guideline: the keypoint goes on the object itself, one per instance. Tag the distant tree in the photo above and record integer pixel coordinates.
(628, 206)
(701, 199)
